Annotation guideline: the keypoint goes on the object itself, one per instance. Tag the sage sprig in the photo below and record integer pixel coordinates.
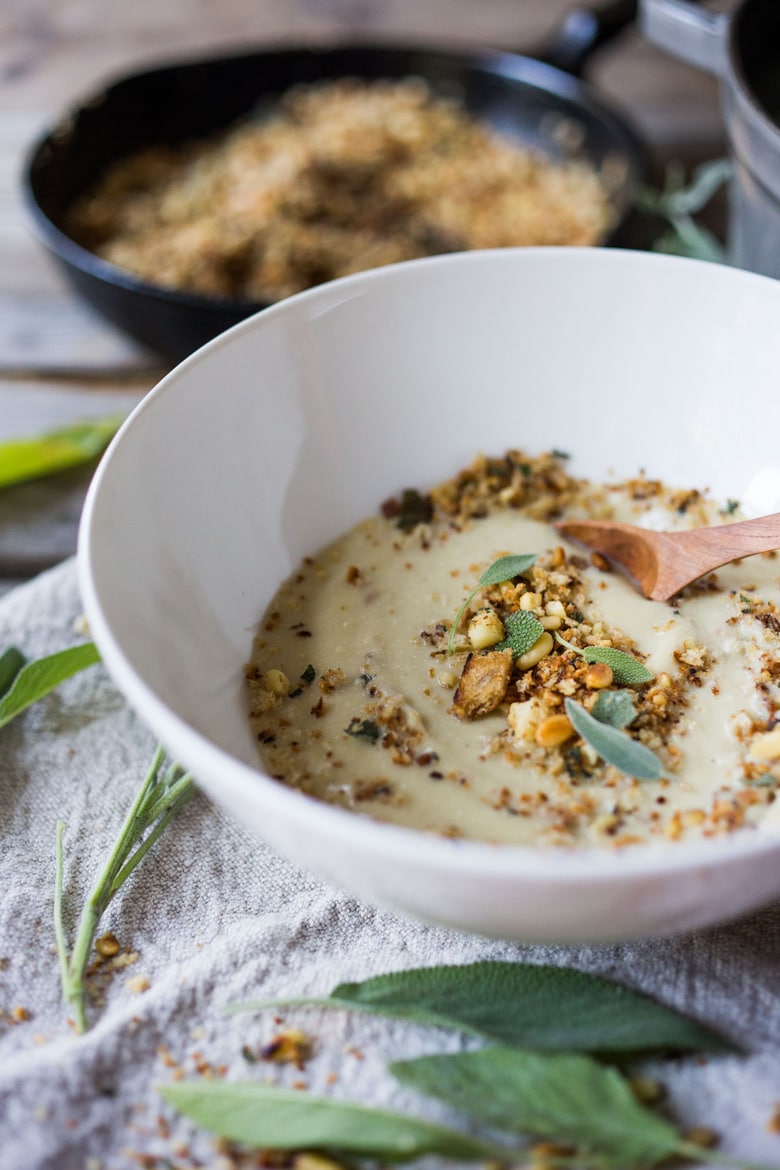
(525, 1004)
(285, 1119)
(31, 681)
(58, 450)
(163, 792)
(678, 205)
(614, 746)
(504, 569)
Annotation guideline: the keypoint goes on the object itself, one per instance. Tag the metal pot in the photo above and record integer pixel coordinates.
(743, 49)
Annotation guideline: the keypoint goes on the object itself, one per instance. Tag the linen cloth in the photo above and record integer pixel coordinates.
(215, 918)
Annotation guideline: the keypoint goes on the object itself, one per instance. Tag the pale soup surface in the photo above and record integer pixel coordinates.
(362, 694)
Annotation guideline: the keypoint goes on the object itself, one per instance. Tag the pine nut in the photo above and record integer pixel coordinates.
(277, 682)
(538, 651)
(530, 600)
(553, 731)
(598, 675)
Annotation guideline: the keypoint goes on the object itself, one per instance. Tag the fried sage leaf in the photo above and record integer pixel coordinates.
(569, 1098)
(283, 1119)
(526, 1004)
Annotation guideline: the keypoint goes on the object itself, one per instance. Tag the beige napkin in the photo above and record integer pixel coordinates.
(213, 917)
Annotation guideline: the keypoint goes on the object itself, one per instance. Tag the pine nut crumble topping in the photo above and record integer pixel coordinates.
(556, 707)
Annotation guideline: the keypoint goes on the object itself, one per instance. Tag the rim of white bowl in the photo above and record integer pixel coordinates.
(553, 864)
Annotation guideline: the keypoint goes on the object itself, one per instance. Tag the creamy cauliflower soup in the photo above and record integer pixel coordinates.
(453, 665)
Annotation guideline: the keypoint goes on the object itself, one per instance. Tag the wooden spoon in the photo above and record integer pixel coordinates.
(662, 563)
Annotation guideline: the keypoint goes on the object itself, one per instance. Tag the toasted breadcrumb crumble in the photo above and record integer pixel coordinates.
(344, 176)
(519, 757)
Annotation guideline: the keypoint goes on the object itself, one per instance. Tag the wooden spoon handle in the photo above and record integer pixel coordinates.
(709, 548)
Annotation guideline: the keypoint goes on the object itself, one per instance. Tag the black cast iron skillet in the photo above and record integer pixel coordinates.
(521, 96)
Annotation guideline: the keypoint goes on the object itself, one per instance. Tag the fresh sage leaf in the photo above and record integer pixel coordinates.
(35, 679)
(504, 569)
(626, 670)
(691, 239)
(615, 708)
(615, 746)
(526, 1004)
(286, 1119)
(569, 1098)
(523, 630)
(677, 204)
(71, 446)
(11, 662)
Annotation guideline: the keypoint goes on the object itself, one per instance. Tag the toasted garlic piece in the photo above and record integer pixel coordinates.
(485, 629)
(523, 718)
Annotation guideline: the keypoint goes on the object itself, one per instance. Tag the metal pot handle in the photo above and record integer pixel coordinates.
(584, 31)
(688, 31)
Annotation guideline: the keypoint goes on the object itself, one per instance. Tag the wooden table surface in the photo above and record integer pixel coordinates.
(58, 361)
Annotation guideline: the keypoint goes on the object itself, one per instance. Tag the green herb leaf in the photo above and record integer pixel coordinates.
(526, 1004)
(71, 446)
(615, 708)
(626, 670)
(616, 747)
(677, 204)
(363, 729)
(309, 675)
(415, 509)
(567, 1098)
(507, 568)
(11, 662)
(504, 569)
(285, 1119)
(523, 630)
(163, 792)
(35, 679)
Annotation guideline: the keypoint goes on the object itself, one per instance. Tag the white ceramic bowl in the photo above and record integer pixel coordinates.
(283, 432)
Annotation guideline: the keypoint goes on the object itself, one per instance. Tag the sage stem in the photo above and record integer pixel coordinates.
(155, 802)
